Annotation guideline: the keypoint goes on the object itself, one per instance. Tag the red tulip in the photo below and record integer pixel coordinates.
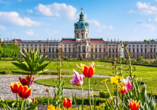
(87, 71)
(24, 92)
(134, 105)
(15, 87)
(123, 90)
(67, 103)
(26, 80)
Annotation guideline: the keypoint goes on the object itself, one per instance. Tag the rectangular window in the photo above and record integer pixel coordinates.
(49, 55)
(52, 49)
(91, 50)
(52, 55)
(74, 50)
(104, 50)
(145, 50)
(116, 51)
(100, 50)
(69, 50)
(109, 50)
(44, 49)
(154, 51)
(65, 50)
(113, 51)
(141, 50)
(49, 49)
(96, 56)
(95, 50)
(145, 56)
(150, 50)
(137, 51)
(133, 50)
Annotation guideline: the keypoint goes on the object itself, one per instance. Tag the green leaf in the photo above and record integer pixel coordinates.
(33, 107)
(21, 66)
(41, 67)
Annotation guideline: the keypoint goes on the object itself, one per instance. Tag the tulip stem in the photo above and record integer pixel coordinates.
(82, 97)
(22, 104)
(89, 93)
(17, 100)
(108, 90)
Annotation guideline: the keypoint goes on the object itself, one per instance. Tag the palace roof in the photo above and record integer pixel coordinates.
(67, 40)
(96, 40)
(17, 40)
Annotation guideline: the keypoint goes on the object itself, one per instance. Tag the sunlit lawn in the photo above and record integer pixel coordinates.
(147, 74)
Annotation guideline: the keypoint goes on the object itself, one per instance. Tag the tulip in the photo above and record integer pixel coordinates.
(123, 89)
(114, 80)
(67, 103)
(134, 105)
(87, 71)
(77, 79)
(26, 80)
(15, 87)
(127, 83)
(24, 92)
(51, 107)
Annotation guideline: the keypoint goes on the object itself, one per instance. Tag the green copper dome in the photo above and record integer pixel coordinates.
(81, 24)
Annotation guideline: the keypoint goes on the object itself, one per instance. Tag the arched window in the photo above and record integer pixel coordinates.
(83, 49)
(82, 36)
(77, 35)
(79, 48)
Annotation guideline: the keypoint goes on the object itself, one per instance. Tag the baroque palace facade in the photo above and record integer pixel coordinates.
(82, 45)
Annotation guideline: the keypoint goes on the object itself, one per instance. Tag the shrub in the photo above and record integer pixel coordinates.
(3, 72)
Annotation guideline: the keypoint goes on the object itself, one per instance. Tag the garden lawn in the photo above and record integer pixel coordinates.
(144, 73)
(95, 84)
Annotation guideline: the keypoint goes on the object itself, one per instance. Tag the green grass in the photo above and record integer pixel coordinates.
(95, 83)
(147, 74)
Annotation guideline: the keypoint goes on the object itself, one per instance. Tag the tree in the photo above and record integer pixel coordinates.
(1, 51)
(15, 49)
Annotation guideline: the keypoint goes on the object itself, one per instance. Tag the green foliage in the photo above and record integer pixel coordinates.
(104, 94)
(58, 94)
(33, 62)
(140, 59)
(9, 50)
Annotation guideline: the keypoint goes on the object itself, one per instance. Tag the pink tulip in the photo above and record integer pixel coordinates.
(77, 79)
(127, 83)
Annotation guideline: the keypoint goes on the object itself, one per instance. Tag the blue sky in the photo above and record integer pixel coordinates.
(127, 20)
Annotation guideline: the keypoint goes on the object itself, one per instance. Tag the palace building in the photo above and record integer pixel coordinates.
(83, 45)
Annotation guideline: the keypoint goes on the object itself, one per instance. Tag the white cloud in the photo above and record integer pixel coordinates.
(98, 30)
(31, 33)
(149, 19)
(13, 18)
(149, 26)
(155, 19)
(95, 22)
(2, 27)
(135, 30)
(55, 11)
(110, 27)
(144, 8)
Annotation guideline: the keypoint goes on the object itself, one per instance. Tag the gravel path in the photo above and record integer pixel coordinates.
(6, 80)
